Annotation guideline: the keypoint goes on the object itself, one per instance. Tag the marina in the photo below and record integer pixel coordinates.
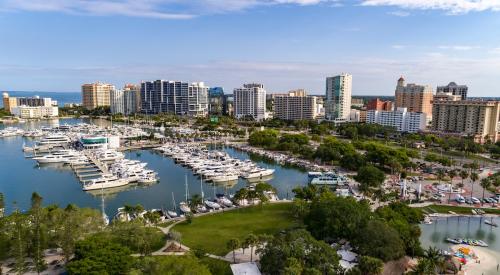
(60, 183)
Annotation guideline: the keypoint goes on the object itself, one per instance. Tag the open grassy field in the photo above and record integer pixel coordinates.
(457, 209)
(212, 232)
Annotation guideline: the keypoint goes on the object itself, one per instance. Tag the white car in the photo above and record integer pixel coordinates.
(475, 200)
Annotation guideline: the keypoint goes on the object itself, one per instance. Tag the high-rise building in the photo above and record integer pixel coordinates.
(338, 97)
(198, 99)
(96, 95)
(454, 89)
(250, 101)
(295, 105)
(401, 119)
(229, 104)
(416, 98)
(9, 103)
(379, 105)
(132, 94)
(180, 98)
(117, 102)
(445, 96)
(467, 117)
(216, 101)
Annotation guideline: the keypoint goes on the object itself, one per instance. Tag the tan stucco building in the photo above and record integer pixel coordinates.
(96, 95)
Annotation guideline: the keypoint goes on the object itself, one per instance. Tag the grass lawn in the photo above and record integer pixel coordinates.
(212, 232)
(457, 209)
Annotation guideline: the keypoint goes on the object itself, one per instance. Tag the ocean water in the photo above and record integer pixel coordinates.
(61, 97)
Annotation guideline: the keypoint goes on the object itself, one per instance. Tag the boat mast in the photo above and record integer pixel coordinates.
(173, 200)
(201, 187)
(186, 186)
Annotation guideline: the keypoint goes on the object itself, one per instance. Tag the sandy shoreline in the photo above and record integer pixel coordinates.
(487, 261)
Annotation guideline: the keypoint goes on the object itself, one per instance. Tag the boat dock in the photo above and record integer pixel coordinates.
(95, 168)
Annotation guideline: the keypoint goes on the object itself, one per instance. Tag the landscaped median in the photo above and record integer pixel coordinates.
(457, 209)
(212, 232)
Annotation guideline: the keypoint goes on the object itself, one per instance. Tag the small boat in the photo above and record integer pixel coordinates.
(490, 222)
(212, 204)
(173, 213)
(184, 207)
(427, 220)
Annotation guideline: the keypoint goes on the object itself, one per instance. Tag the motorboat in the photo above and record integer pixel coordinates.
(105, 181)
(224, 201)
(58, 158)
(258, 173)
(11, 132)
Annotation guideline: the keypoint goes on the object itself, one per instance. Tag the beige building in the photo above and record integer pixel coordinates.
(35, 111)
(467, 117)
(416, 98)
(295, 105)
(446, 96)
(9, 103)
(96, 95)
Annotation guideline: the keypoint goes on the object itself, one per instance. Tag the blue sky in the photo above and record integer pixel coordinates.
(56, 45)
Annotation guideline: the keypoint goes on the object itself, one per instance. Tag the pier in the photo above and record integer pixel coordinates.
(95, 168)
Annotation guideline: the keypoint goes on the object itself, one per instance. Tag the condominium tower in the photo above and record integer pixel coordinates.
(295, 105)
(96, 95)
(176, 97)
(454, 89)
(416, 98)
(250, 101)
(467, 117)
(117, 102)
(338, 97)
(401, 119)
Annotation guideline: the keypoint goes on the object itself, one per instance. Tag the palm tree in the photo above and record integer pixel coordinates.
(463, 175)
(451, 173)
(440, 175)
(251, 241)
(473, 177)
(233, 244)
(485, 183)
(434, 258)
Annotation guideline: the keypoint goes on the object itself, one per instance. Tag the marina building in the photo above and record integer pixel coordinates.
(175, 97)
(401, 119)
(467, 117)
(100, 142)
(250, 101)
(117, 101)
(416, 98)
(379, 105)
(338, 97)
(295, 105)
(96, 95)
(454, 89)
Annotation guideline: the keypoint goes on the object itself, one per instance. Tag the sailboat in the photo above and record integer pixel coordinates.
(201, 208)
(173, 213)
(183, 205)
(490, 222)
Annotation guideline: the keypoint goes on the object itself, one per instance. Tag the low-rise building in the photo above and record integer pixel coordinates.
(401, 119)
(27, 112)
(379, 105)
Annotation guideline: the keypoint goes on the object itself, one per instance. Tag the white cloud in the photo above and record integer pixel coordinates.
(162, 9)
(458, 47)
(451, 6)
(398, 47)
(399, 13)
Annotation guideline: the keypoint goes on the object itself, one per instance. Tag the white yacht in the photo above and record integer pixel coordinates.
(105, 181)
(54, 139)
(10, 132)
(258, 173)
(61, 157)
(109, 155)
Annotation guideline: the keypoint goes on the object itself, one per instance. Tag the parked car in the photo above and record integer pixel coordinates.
(475, 200)
(460, 200)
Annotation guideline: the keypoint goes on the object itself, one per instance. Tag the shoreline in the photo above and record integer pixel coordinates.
(487, 260)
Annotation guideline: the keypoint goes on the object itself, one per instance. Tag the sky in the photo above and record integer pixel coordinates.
(56, 45)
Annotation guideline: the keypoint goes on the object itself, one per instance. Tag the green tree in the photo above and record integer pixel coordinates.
(36, 228)
(370, 266)
(251, 241)
(379, 240)
(175, 236)
(473, 177)
(316, 257)
(171, 265)
(96, 255)
(369, 177)
(233, 244)
(463, 175)
(19, 244)
(485, 184)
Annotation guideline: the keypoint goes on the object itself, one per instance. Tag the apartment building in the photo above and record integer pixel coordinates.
(454, 89)
(96, 95)
(379, 105)
(250, 101)
(467, 117)
(416, 98)
(117, 102)
(338, 97)
(401, 119)
(295, 105)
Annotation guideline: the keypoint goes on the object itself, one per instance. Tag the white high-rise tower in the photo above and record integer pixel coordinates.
(338, 97)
